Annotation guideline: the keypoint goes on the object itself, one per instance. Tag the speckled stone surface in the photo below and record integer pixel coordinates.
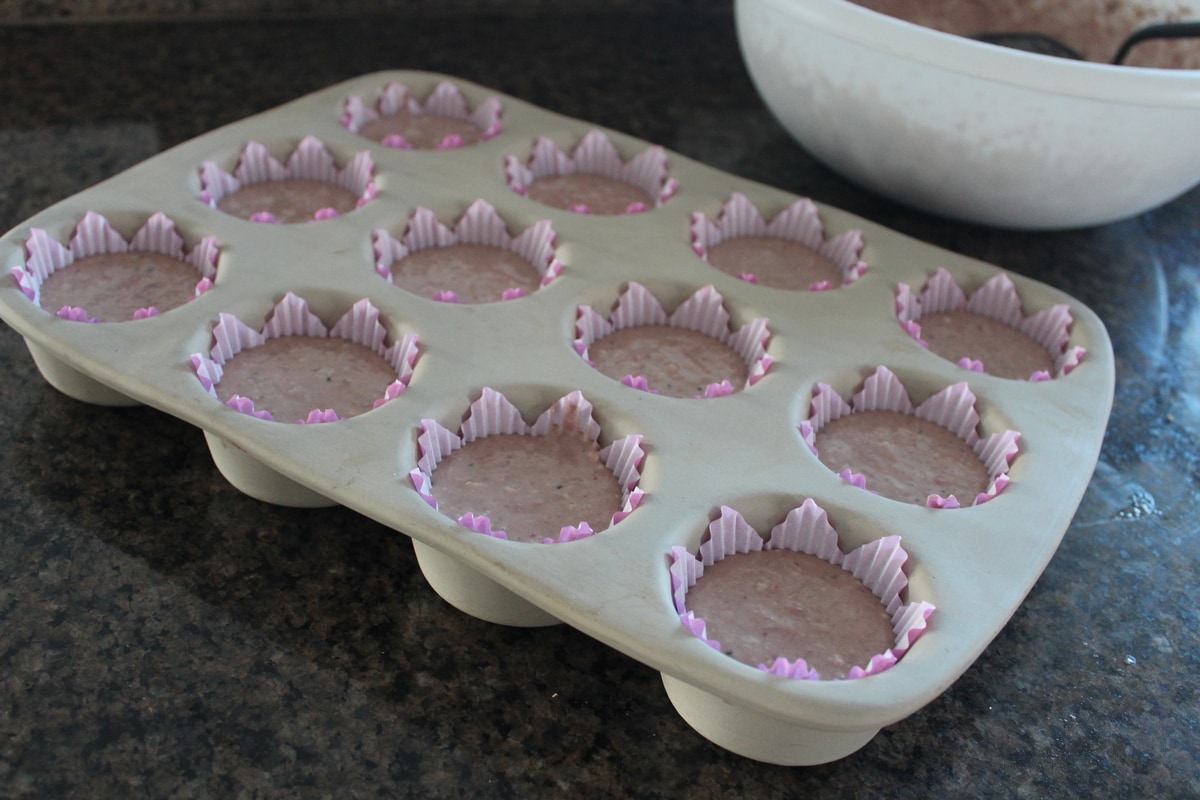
(162, 635)
(73, 11)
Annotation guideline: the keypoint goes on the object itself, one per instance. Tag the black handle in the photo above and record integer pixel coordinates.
(1162, 30)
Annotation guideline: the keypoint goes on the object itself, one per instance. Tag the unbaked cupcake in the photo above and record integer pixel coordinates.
(477, 261)
(309, 187)
(691, 352)
(99, 276)
(788, 252)
(988, 331)
(929, 454)
(795, 605)
(547, 482)
(443, 121)
(296, 369)
(593, 179)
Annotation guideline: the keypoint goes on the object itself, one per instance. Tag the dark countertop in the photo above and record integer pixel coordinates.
(162, 635)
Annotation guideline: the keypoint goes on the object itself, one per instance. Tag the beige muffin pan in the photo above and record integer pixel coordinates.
(743, 452)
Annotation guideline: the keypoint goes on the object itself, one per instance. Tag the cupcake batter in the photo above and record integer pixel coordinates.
(290, 376)
(476, 273)
(530, 487)
(289, 201)
(1005, 351)
(760, 606)
(902, 457)
(421, 131)
(677, 362)
(775, 262)
(601, 195)
(112, 286)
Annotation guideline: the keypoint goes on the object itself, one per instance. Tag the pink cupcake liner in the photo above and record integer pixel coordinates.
(94, 235)
(878, 564)
(445, 100)
(311, 160)
(800, 222)
(480, 225)
(594, 155)
(292, 317)
(997, 298)
(494, 414)
(952, 408)
(703, 312)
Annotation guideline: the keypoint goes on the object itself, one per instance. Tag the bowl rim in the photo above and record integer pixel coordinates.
(1143, 86)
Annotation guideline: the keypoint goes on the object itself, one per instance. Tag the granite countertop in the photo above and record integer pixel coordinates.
(162, 635)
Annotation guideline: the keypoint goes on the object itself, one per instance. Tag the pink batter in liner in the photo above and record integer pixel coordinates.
(292, 375)
(442, 121)
(308, 187)
(593, 179)
(882, 442)
(477, 261)
(594, 194)
(475, 273)
(774, 262)
(114, 286)
(545, 482)
(988, 331)
(675, 362)
(790, 251)
(287, 201)
(759, 605)
(673, 354)
(297, 370)
(1005, 351)
(901, 456)
(421, 131)
(796, 605)
(529, 486)
(101, 277)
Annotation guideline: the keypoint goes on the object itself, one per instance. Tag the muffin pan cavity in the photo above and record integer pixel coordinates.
(296, 369)
(483, 369)
(988, 331)
(789, 252)
(308, 187)
(478, 261)
(691, 352)
(593, 178)
(814, 609)
(442, 121)
(548, 481)
(929, 453)
(111, 278)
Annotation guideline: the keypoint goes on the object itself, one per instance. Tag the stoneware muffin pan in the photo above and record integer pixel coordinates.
(686, 462)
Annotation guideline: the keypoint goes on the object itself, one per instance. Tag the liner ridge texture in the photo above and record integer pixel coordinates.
(744, 451)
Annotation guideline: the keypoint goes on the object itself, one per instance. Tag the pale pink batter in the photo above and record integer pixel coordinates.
(530, 487)
(676, 362)
(1095, 28)
(289, 201)
(290, 376)
(476, 273)
(902, 457)
(421, 131)
(601, 195)
(764, 605)
(1005, 351)
(775, 262)
(112, 286)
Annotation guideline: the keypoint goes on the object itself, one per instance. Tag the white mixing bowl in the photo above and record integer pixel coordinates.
(969, 130)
